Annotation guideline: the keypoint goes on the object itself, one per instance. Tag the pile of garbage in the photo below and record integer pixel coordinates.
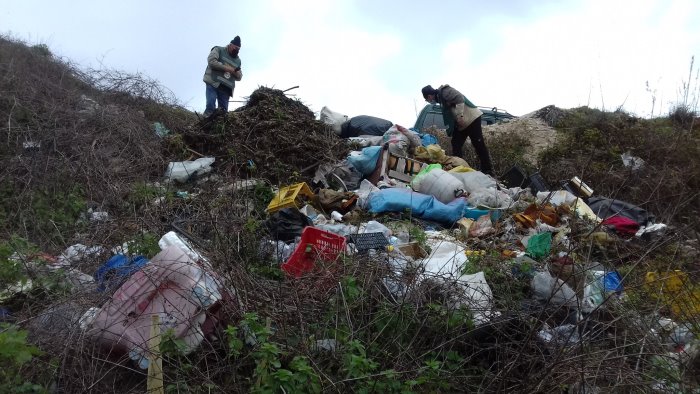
(342, 234)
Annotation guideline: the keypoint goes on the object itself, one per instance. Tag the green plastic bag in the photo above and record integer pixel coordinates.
(540, 245)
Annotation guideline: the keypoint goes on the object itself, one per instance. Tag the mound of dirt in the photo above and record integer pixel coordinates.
(535, 130)
(273, 135)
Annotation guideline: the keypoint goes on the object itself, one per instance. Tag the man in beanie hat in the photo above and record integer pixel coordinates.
(463, 119)
(223, 70)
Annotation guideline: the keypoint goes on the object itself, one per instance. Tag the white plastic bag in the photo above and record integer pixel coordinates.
(474, 180)
(181, 171)
(550, 289)
(440, 184)
(333, 119)
(491, 198)
(374, 226)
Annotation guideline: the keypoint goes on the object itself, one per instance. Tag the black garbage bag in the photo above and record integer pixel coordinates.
(607, 207)
(287, 224)
(364, 125)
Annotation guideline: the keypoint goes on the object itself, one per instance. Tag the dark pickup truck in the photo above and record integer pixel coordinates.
(431, 115)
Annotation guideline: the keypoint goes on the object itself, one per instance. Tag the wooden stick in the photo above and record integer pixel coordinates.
(155, 366)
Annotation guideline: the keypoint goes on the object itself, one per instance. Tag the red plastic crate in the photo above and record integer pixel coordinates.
(315, 244)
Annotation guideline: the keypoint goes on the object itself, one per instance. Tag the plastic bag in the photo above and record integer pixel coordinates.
(366, 160)
(455, 162)
(182, 171)
(540, 245)
(374, 226)
(431, 153)
(491, 198)
(474, 180)
(428, 139)
(440, 184)
(364, 125)
(414, 140)
(333, 119)
(398, 142)
(421, 205)
(550, 289)
(287, 224)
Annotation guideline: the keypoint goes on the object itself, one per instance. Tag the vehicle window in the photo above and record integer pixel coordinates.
(433, 119)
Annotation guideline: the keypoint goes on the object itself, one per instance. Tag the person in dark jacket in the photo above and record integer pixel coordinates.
(463, 119)
(223, 70)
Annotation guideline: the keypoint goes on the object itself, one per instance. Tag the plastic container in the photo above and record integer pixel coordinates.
(367, 241)
(516, 177)
(287, 197)
(315, 244)
(474, 213)
(538, 184)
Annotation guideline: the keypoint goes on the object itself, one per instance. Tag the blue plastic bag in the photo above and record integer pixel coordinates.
(428, 139)
(366, 162)
(116, 270)
(612, 282)
(421, 205)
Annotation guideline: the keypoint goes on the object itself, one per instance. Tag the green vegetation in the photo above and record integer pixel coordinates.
(15, 353)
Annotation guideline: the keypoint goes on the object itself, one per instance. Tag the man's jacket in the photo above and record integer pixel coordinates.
(215, 75)
(457, 111)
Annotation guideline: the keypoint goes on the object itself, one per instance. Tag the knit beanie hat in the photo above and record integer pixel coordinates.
(428, 90)
(236, 41)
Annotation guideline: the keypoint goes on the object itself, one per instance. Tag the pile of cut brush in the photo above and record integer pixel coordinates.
(273, 135)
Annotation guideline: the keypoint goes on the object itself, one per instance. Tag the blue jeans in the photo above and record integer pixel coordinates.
(214, 95)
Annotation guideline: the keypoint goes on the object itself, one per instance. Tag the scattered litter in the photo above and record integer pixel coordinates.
(562, 336)
(549, 289)
(333, 119)
(290, 196)
(632, 162)
(116, 270)
(654, 228)
(315, 244)
(29, 145)
(160, 129)
(183, 171)
(171, 286)
(75, 254)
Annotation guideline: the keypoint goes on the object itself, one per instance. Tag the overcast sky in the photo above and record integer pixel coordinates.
(372, 57)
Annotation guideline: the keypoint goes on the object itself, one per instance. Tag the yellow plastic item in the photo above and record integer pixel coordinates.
(432, 153)
(461, 169)
(676, 291)
(287, 197)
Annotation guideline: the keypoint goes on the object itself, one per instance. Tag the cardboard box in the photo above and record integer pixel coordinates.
(412, 249)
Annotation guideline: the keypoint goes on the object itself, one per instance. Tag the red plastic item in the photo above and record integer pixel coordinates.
(315, 244)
